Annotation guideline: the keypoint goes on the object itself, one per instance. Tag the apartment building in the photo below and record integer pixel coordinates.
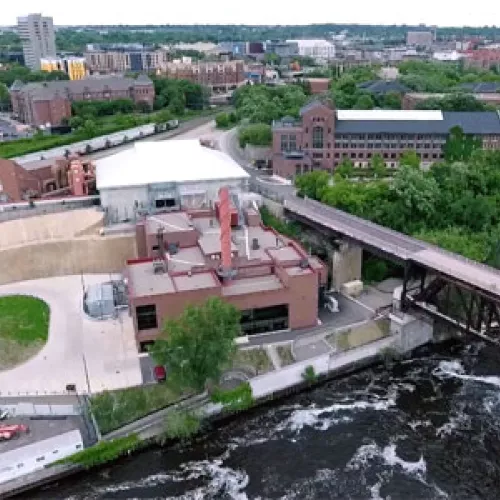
(324, 136)
(218, 76)
(120, 59)
(74, 67)
(420, 38)
(37, 37)
(45, 103)
(320, 50)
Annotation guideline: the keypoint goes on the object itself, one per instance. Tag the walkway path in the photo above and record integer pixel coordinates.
(93, 355)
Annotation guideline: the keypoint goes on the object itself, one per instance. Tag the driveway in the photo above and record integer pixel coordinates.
(93, 355)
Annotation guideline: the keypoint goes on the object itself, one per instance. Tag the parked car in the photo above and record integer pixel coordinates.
(160, 373)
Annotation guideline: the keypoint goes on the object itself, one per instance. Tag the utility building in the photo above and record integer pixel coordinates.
(153, 177)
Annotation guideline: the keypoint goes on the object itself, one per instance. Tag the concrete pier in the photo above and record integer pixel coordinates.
(346, 265)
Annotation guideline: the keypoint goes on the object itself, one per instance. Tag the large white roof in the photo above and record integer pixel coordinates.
(165, 161)
(389, 114)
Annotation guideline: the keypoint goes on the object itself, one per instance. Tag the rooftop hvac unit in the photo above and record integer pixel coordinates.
(173, 248)
(255, 244)
(304, 264)
(159, 266)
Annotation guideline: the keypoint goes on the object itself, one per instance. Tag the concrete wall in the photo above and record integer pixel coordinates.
(346, 265)
(410, 332)
(91, 254)
(253, 153)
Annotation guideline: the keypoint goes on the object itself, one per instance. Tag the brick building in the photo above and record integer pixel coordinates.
(219, 76)
(50, 102)
(106, 60)
(482, 58)
(324, 136)
(271, 279)
(54, 177)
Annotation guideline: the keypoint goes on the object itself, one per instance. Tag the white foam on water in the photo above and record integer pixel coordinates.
(456, 423)
(415, 424)
(364, 454)
(375, 491)
(392, 459)
(456, 370)
(317, 417)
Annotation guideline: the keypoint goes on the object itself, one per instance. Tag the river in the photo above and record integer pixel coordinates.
(429, 428)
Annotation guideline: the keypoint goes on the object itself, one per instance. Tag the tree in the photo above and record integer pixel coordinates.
(222, 120)
(164, 116)
(313, 184)
(378, 165)
(89, 129)
(459, 146)
(4, 96)
(345, 168)
(391, 100)
(364, 101)
(256, 134)
(143, 107)
(196, 346)
(410, 159)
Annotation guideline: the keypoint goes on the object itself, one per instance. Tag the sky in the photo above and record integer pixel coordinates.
(112, 12)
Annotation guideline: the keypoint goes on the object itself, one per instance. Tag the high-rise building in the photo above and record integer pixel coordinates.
(75, 67)
(37, 36)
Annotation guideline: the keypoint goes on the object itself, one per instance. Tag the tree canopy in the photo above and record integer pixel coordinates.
(197, 346)
(455, 204)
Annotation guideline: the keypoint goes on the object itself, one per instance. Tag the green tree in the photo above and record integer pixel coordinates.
(89, 129)
(222, 120)
(391, 100)
(364, 101)
(256, 134)
(164, 116)
(313, 184)
(378, 165)
(410, 158)
(4, 97)
(198, 344)
(459, 146)
(345, 169)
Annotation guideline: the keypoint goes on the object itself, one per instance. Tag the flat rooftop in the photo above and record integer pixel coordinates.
(285, 254)
(252, 285)
(186, 259)
(170, 222)
(298, 271)
(210, 243)
(197, 281)
(143, 281)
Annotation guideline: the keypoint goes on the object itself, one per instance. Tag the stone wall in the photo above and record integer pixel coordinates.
(90, 254)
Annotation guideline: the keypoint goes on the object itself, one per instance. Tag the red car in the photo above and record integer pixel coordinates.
(160, 373)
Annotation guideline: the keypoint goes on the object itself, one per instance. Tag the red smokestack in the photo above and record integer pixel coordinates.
(225, 228)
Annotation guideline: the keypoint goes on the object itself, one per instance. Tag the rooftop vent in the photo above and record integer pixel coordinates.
(304, 264)
(255, 244)
(159, 266)
(173, 248)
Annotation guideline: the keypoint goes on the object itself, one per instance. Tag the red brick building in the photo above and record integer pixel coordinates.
(219, 76)
(482, 58)
(50, 102)
(274, 282)
(53, 177)
(324, 136)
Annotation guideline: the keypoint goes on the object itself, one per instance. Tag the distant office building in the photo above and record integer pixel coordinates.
(321, 50)
(123, 58)
(11, 56)
(282, 49)
(420, 38)
(37, 37)
(324, 136)
(217, 76)
(482, 58)
(75, 67)
(255, 48)
(50, 102)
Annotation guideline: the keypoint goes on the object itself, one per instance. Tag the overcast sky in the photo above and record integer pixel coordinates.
(440, 12)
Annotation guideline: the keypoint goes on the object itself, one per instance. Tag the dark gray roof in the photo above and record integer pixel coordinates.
(480, 122)
(481, 88)
(44, 90)
(311, 105)
(383, 87)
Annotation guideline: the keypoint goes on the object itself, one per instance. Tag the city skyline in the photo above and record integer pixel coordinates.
(386, 12)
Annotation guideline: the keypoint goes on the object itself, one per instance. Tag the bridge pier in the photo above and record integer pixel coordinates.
(346, 264)
(410, 332)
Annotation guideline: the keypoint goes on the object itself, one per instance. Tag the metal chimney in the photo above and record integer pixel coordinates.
(225, 232)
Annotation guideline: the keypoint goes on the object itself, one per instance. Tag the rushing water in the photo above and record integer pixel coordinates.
(429, 428)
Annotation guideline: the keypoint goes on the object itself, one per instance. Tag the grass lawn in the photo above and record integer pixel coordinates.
(254, 358)
(113, 409)
(285, 354)
(24, 328)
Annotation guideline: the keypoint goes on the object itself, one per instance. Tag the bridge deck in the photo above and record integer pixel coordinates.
(398, 245)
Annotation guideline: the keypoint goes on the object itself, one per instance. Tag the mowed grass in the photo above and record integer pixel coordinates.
(24, 328)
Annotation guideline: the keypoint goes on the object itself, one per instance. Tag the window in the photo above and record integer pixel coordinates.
(165, 202)
(298, 169)
(288, 142)
(146, 317)
(317, 138)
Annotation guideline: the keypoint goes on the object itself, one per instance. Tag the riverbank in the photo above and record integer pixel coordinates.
(266, 388)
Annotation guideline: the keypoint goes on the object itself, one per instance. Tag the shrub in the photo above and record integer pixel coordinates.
(257, 134)
(181, 424)
(239, 398)
(309, 375)
(104, 451)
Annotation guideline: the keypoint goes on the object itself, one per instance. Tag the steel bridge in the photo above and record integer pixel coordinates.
(452, 288)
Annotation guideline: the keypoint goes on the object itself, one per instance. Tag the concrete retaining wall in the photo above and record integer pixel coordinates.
(88, 255)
